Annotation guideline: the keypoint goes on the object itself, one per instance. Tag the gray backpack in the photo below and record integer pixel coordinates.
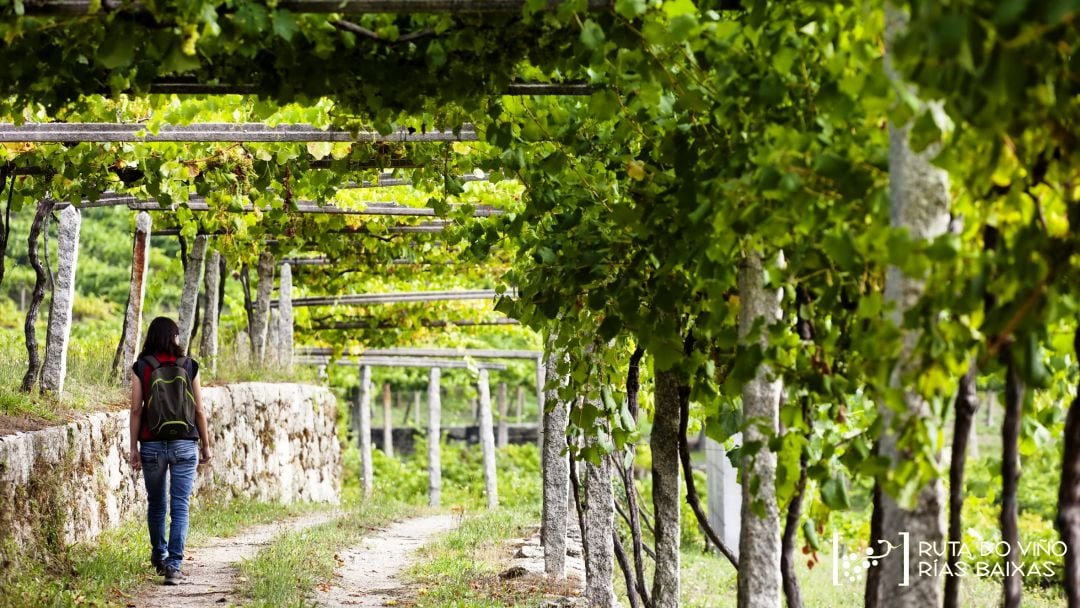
(170, 406)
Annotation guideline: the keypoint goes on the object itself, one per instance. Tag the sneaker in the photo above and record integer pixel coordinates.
(172, 576)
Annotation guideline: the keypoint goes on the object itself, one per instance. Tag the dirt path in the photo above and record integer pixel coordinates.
(210, 570)
(368, 577)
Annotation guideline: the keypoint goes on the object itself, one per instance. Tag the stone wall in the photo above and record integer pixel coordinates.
(66, 484)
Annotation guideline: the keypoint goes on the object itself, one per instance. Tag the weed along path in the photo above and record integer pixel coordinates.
(368, 576)
(210, 570)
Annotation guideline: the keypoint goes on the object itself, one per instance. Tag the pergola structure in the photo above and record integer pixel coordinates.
(133, 133)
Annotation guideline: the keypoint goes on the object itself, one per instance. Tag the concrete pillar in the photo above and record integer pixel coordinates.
(434, 437)
(487, 441)
(503, 437)
(416, 409)
(285, 319)
(367, 474)
(388, 421)
(208, 347)
(520, 406)
(59, 333)
(189, 297)
(724, 493)
(140, 263)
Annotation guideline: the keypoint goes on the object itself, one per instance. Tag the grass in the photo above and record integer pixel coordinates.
(461, 570)
(107, 571)
(709, 582)
(286, 572)
(87, 385)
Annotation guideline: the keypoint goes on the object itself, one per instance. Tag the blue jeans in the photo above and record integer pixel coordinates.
(179, 459)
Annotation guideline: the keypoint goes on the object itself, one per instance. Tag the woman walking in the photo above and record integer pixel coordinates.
(168, 436)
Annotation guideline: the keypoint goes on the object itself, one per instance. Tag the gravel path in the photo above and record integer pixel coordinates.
(368, 576)
(210, 570)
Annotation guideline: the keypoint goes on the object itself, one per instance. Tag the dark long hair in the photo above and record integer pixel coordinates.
(162, 338)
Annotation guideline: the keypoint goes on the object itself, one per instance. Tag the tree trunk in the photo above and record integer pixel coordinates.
(208, 348)
(487, 442)
(30, 379)
(59, 331)
(556, 475)
(919, 203)
(388, 421)
(873, 575)
(633, 517)
(192, 279)
(5, 223)
(792, 591)
(503, 437)
(261, 315)
(366, 469)
(692, 498)
(965, 406)
(664, 444)
(1012, 583)
(285, 315)
(624, 565)
(1068, 520)
(759, 537)
(140, 263)
(434, 438)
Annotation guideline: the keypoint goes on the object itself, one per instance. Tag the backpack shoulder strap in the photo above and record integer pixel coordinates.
(182, 363)
(152, 361)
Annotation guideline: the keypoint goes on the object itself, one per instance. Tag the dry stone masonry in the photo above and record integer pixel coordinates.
(67, 484)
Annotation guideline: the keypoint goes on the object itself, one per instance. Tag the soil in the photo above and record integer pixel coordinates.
(210, 571)
(369, 574)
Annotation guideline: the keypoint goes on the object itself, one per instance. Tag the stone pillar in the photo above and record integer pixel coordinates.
(208, 347)
(434, 437)
(556, 476)
(273, 342)
(285, 319)
(724, 493)
(503, 437)
(367, 474)
(541, 379)
(487, 441)
(261, 314)
(388, 421)
(599, 535)
(416, 409)
(759, 539)
(520, 406)
(189, 297)
(140, 263)
(67, 250)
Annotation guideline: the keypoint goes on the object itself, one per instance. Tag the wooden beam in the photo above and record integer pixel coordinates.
(399, 297)
(62, 8)
(188, 87)
(61, 132)
(422, 228)
(476, 353)
(401, 362)
(343, 325)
